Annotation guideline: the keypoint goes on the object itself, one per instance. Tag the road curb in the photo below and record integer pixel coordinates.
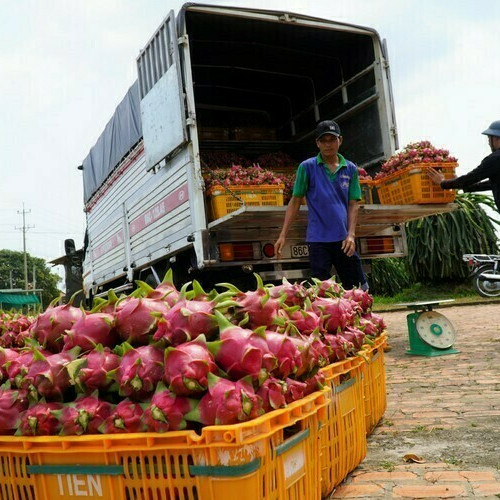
(451, 304)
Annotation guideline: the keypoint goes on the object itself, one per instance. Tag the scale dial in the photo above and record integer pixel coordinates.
(435, 330)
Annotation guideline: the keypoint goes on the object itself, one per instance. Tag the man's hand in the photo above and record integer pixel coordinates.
(349, 246)
(436, 177)
(278, 246)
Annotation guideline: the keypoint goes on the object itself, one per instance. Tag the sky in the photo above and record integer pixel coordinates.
(66, 64)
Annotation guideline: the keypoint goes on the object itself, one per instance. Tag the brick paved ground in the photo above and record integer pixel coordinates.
(444, 409)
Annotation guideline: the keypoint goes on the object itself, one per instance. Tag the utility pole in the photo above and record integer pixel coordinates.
(25, 228)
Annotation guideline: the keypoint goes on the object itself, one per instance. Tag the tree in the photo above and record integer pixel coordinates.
(45, 279)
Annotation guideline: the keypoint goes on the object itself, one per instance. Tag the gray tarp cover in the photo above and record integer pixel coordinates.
(122, 132)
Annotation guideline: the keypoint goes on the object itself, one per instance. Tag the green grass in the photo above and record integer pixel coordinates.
(452, 460)
(462, 293)
(388, 465)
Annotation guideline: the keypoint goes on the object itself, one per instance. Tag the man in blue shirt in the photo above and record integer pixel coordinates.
(331, 187)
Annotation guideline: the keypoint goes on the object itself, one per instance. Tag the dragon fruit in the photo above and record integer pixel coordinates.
(90, 330)
(187, 367)
(18, 367)
(166, 411)
(41, 419)
(314, 383)
(8, 339)
(139, 371)
(6, 354)
(126, 417)
(47, 375)
(337, 313)
(12, 403)
(14, 322)
(189, 318)
(108, 306)
(368, 327)
(363, 298)
(377, 320)
(165, 291)
(226, 402)
(49, 327)
(89, 372)
(11, 339)
(135, 321)
(305, 320)
(295, 293)
(261, 308)
(341, 348)
(84, 416)
(354, 335)
(325, 288)
(272, 392)
(319, 351)
(314, 354)
(287, 353)
(198, 293)
(241, 352)
(294, 390)
(22, 339)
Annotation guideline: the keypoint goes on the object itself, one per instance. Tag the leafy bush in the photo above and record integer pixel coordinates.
(388, 276)
(436, 243)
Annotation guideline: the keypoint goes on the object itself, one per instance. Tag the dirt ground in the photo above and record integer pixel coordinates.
(447, 408)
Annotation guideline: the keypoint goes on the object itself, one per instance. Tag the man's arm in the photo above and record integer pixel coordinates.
(349, 244)
(480, 186)
(290, 215)
(487, 167)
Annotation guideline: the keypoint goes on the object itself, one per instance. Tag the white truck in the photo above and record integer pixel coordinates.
(240, 80)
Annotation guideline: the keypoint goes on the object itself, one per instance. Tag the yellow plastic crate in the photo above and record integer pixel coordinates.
(226, 200)
(343, 438)
(412, 185)
(275, 456)
(374, 387)
(367, 188)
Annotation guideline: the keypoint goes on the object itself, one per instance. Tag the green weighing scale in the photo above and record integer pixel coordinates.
(429, 332)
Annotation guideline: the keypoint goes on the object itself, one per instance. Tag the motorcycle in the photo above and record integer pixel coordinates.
(485, 272)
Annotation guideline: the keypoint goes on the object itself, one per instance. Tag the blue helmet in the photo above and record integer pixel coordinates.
(493, 129)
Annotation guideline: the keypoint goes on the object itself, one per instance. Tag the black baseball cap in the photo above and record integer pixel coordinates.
(327, 127)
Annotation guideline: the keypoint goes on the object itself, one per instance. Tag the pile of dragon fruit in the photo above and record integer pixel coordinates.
(165, 359)
(417, 152)
(238, 175)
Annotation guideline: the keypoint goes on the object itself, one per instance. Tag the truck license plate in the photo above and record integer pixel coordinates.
(300, 251)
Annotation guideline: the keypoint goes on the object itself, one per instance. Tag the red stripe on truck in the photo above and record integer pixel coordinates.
(108, 245)
(162, 208)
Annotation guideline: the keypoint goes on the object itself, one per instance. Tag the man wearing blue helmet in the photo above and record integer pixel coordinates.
(488, 169)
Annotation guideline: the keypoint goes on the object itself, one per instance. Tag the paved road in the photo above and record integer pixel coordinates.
(445, 410)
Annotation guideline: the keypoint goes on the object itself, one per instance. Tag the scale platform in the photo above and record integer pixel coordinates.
(430, 333)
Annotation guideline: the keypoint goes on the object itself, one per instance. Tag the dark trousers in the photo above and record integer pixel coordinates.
(323, 256)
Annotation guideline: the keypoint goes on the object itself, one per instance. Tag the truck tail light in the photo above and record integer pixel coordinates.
(268, 250)
(239, 251)
(377, 244)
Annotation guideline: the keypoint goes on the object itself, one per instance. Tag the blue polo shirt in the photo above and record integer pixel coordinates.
(328, 195)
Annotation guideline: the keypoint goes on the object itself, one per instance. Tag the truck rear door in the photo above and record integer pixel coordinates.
(160, 90)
